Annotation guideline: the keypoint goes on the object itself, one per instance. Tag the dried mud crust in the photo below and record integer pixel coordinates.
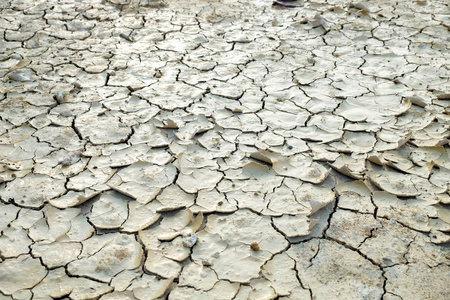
(224, 150)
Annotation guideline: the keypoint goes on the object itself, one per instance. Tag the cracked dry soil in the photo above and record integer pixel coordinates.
(224, 149)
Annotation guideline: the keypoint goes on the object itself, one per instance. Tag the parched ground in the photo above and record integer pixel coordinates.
(226, 149)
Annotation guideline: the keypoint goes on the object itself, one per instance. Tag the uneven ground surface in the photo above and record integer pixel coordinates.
(224, 150)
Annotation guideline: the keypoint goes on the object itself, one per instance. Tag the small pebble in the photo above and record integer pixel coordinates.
(189, 241)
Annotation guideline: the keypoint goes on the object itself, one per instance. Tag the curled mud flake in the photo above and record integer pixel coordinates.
(294, 226)
(358, 142)
(71, 158)
(290, 166)
(56, 224)
(443, 213)
(92, 178)
(18, 77)
(140, 216)
(198, 276)
(348, 166)
(246, 122)
(395, 160)
(216, 144)
(414, 213)
(264, 156)
(175, 224)
(60, 137)
(235, 260)
(142, 181)
(283, 120)
(288, 3)
(394, 182)
(417, 100)
(175, 249)
(319, 21)
(73, 198)
(190, 129)
(355, 195)
(195, 158)
(160, 265)
(250, 200)
(150, 135)
(149, 287)
(22, 63)
(124, 279)
(361, 6)
(439, 237)
(443, 96)
(193, 225)
(126, 36)
(282, 201)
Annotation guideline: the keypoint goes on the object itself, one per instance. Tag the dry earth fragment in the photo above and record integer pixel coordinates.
(149, 287)
(199, 180)
(20, 273)
(280, 271)
(301, 167)
(58, 284)
(332, 270)
(222, 290)
(109, 211)
(294, 226)
(352, 228)
(41, 188)
(408, 284)
(118, 252)
(355, 195)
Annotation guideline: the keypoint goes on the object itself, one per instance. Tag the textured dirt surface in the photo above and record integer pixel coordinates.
(224, 149)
